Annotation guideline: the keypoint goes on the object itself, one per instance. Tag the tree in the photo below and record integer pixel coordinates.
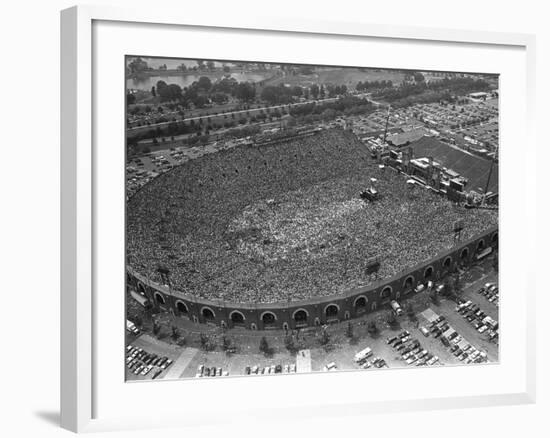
(137, 320)
(349, 330)
(227, 345)
(168, 92)
(289, 344)
(206, 342)
(175, 333)
(418, 77)
(409, 309)
(264, 347)
(205, 83)
(314, 91)
(130, 98)
(372, 328)
(325, 337)
(457, 283)
(137, 66)
(156, 328)
(434, 297)
(391, 319)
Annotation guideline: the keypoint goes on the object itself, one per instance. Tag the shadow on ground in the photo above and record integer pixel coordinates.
(51, 417)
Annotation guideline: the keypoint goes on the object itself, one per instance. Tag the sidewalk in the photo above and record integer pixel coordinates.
(180, 365)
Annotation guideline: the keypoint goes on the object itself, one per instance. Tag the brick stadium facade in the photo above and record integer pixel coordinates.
(314, 311)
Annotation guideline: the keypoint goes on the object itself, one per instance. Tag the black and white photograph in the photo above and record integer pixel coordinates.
(286, 218)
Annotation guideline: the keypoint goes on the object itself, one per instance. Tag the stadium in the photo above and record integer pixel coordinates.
(282, 234)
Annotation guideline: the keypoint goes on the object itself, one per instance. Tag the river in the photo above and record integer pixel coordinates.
(187, 79)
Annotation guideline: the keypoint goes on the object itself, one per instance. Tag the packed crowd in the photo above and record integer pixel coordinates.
(284, 222)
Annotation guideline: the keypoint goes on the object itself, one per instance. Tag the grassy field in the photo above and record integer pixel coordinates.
(339, 76)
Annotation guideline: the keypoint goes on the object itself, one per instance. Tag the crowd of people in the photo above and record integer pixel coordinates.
(284, 221)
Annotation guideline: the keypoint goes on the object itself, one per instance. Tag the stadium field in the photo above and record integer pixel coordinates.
(474, 168)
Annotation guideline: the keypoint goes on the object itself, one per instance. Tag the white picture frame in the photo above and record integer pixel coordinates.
(83, 361)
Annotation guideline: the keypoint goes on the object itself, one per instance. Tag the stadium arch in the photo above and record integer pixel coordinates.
(208, 314)
(386, 292)
(300, 316)
(480, 245)
(268, 318)
(408, 284)
(429, 272)
(237, 317)
(331, 310)
(181, 307)
(360, 304)
(141, 288)
(159, 299)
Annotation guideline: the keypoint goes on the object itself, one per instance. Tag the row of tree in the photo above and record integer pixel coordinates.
(425, 92)
(373, 85)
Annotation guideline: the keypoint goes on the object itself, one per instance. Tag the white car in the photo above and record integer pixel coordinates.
(433, 360)
(482, 329)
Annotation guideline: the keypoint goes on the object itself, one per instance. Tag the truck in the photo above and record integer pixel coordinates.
(363, 355)
(396, 307)
(131, 327)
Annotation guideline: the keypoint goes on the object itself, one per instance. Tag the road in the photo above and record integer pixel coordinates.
(265, 108)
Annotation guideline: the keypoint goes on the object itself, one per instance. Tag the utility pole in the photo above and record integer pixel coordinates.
(490, 173)
(386, 128)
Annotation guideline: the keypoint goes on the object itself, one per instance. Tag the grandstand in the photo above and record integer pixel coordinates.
(283, 221)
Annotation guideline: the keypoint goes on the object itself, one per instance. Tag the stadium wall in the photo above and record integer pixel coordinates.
(314, 311)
